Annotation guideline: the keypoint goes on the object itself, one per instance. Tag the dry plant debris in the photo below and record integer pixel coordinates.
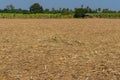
(59, 49)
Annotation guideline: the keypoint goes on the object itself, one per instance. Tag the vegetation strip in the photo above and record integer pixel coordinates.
(37, 11)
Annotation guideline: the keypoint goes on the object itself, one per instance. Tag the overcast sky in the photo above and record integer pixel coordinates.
(24, 4)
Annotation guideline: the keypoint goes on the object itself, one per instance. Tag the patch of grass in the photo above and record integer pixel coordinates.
(42, 15)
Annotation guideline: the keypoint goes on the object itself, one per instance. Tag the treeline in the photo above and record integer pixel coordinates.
(36, 8)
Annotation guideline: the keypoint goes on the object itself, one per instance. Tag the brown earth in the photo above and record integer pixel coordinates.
(59, 49)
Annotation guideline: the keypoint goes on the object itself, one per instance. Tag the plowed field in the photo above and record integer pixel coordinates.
(59, 49)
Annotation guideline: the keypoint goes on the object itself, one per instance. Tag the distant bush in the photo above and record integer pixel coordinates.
(104, 15)
(79, 13)
(36, 8)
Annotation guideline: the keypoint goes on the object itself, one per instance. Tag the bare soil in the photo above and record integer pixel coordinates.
(59, 49)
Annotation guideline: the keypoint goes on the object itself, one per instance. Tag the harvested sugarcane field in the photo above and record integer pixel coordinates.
(60, 49)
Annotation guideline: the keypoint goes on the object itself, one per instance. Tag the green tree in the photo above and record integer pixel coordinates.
(46, 11)
(106, 10)
(65, 11)
(99, 9)
(82, 6)
(87, 9)
(60, 10)
(54, 11)
(36, 8)
(79, 13)
(9, 8)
